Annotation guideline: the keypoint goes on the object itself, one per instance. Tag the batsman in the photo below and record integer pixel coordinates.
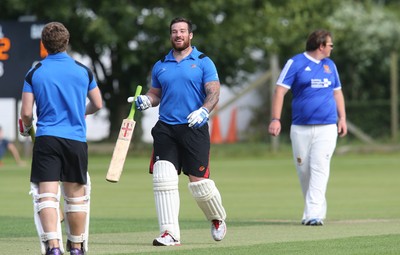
(59, 86)
(186, 86)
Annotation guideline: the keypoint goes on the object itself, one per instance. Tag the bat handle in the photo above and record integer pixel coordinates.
(133, 107)
(32, 133)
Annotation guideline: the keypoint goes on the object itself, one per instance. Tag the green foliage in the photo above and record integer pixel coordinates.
(365, 35)
(123, 39)
(367, 114)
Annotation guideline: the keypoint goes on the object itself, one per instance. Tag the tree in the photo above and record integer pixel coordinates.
(367, 34)
(123, 39)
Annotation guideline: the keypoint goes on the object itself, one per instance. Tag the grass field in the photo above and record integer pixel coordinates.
(261, 196)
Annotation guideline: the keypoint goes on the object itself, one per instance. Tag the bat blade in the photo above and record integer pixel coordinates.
(120, 150)
(122, 145)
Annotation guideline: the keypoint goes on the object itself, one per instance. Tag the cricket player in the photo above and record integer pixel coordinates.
(186, 86)
(318, 117)
(60, 86)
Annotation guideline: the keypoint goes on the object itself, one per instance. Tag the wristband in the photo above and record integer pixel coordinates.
(275, 119)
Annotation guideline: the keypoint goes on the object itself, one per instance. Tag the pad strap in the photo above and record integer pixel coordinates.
(76, 208)
(49, 236)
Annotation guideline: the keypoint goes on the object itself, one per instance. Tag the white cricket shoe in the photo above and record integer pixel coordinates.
(166, 239)
(218, 229)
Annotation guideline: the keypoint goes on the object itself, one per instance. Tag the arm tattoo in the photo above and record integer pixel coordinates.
(212, 92)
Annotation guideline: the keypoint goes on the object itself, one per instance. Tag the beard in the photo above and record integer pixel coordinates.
(181, 45)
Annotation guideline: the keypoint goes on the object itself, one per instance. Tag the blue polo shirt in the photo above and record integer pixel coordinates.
(182, 84)
(60, 86)
(312, 83)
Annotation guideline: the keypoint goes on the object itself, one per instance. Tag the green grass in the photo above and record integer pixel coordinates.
(261, 195)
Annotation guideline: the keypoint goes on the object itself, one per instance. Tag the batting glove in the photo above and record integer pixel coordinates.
(142, 102)
(23, 130)
(198, 118)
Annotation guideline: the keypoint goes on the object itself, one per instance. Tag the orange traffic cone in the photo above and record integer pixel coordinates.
(215, 136)
(232, 132)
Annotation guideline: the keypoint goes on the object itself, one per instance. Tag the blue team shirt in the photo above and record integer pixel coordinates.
(312, 83)
(60, 86)
(182, 84)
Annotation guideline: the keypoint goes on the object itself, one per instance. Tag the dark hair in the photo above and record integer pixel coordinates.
(180, 19)
(316, 38)
(55, 37)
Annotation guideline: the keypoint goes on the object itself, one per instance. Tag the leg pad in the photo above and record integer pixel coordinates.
(37, 207)
(208, 199)
(84, 207)
(166, 195)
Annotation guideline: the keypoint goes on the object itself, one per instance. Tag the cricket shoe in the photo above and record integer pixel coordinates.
(76, 251)
(218, 229)
(314, 222)
(54, 251)
(166, 239)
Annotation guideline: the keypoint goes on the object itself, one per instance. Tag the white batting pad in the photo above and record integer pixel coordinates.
(166, 195)
(82, 206)
(208, 199)
(37, 207)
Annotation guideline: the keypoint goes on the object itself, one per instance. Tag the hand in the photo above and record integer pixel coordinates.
(142, 102)
(198, 118)
(274, 128)
(342, 127)
(23, 130)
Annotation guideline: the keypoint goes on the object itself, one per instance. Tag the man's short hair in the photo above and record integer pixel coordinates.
(180, 19)
(316, 38)
(55, 37)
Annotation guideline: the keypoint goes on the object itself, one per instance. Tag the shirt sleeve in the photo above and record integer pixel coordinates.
(209, 71)
(288, 74)
(338, 84)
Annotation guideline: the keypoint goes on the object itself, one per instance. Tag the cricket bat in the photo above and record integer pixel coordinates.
(122, 145)
(32, 133)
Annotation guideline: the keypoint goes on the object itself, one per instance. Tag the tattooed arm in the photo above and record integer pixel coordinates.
(212, 92)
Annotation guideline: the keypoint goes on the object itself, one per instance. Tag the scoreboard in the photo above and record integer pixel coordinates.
(20, 49)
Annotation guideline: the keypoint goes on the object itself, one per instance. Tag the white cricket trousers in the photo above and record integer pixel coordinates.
(313, 146)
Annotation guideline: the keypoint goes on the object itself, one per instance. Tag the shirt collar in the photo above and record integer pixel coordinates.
(193, 55)
(58, 55)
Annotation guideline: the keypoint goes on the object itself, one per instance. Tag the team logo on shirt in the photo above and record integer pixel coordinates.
(318, 83)
(327, 69)
(193, 66)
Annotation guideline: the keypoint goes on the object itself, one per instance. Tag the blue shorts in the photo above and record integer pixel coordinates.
(59, 159)
(188, 149)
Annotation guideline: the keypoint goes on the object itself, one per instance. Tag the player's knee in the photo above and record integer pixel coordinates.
(44, 200)
(165, 176)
